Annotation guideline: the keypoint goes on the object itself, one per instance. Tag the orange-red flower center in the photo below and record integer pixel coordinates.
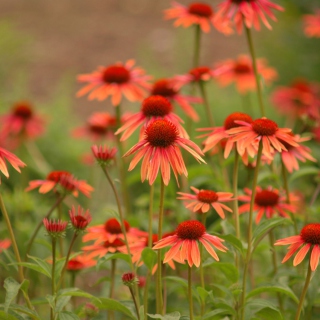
(198, 72)
(191, 230)
(116, 74)
(311, 233)
(23, 111)
(156, 106)
(161, 133)
(113, 226)
(200, 9)
(98, 129)
(154, 240)
(163, 88)
(229, 123)
(265, 198)
(207, 196)
(242, 68)
(264, 127)
(56, 175)
(114, 244)
(74, 265)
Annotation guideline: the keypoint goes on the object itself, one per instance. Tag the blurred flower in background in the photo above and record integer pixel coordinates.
(311, 24)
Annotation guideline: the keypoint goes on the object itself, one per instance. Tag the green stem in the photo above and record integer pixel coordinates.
(201, 271)
(249, 232)
(196, 56)
(15, 249)
(255, 69)
(122, 166)
(67, 260)
(286, 188)
(59, 209)
(206, 103)
(150, 234)
(159, 277)
(235, 193)
(53, 280)
(30, 242)
(190, 293)
(112, 278)
(135, 302)
(304, 292)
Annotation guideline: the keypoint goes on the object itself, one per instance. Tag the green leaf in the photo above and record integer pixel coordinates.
(66, 315)
(235, 242)
(170, 316)
(6, 316)
(256, 306)
(35, 267)
(269, 313)
(43, 264)
(228, 269)
(108, 257)
(75, 292)
(215, 312)
(12, 288)
(110, 304)
(265, 226)
(24, 310)
(61, 302)
(273, 289)
(181, 281)
(203, 293)
(149, 258)
(303, 172)
(100, 280)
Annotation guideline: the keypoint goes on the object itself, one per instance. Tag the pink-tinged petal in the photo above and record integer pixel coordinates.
(195, 253)
(219, 210)
(292, 249)
(165, 242)
(209, 249)
(154, 167)
(195, 190)
(184, 250)
(215, 241)
(189, 252)
(301, 254)
(259, 215)
(47, 186)
(205, 207)
(314, 258)
(197, 206)
(289, 240)
(174, 250)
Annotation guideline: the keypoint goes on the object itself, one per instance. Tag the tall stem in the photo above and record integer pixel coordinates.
(206, 103)
(303, 293)
(53, 279)
(249, 232)
(190, 293)
(159, 277)
(201, 271)
(135, 302)
(235, 193)
(255, 69)
(113, 273)
(30, 242)
(286, 188)
(122, 167)
(59, 209)
(196, 56)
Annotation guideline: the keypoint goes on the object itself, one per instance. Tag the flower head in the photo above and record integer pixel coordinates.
(61, 182)
(309, 239)
(90, 310)
(168, 88)
(152, 108)
(115, 80)
(247, 12)
(103, 154)
(264, 130)
(312, 24)
(79, 219)
(160, 149)
(268, 202)
(101, 248)
(240, 71)
(129, 279)
(54, 228)
(12, 159)
(21, 123)
(184, 243)
(204, 199)
(197, 13)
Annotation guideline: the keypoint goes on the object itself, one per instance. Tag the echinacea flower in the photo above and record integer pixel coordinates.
(301, 98)
(197, 13)
(218, 134)
(184, 243)
(312, 24)
(152, 108)
(61, 181)
(79, 218)
(129, 279)
(160, 151)
(103, 154)
(308, 239)
(54, 228)
(21, 123)
(115, 80)
(80, 262)
(168, 88)
(90, 310)
(4, 244)
(12, 159)
(261, 130)
(240, 71)
(202, 200)
(268, 202)
(247, 12)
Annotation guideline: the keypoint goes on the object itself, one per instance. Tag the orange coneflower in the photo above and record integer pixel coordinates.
(247, 12)
(202, 200)
(160, 151)
(115, 80)
(12, 159)
(197, 13)
(184, 243)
